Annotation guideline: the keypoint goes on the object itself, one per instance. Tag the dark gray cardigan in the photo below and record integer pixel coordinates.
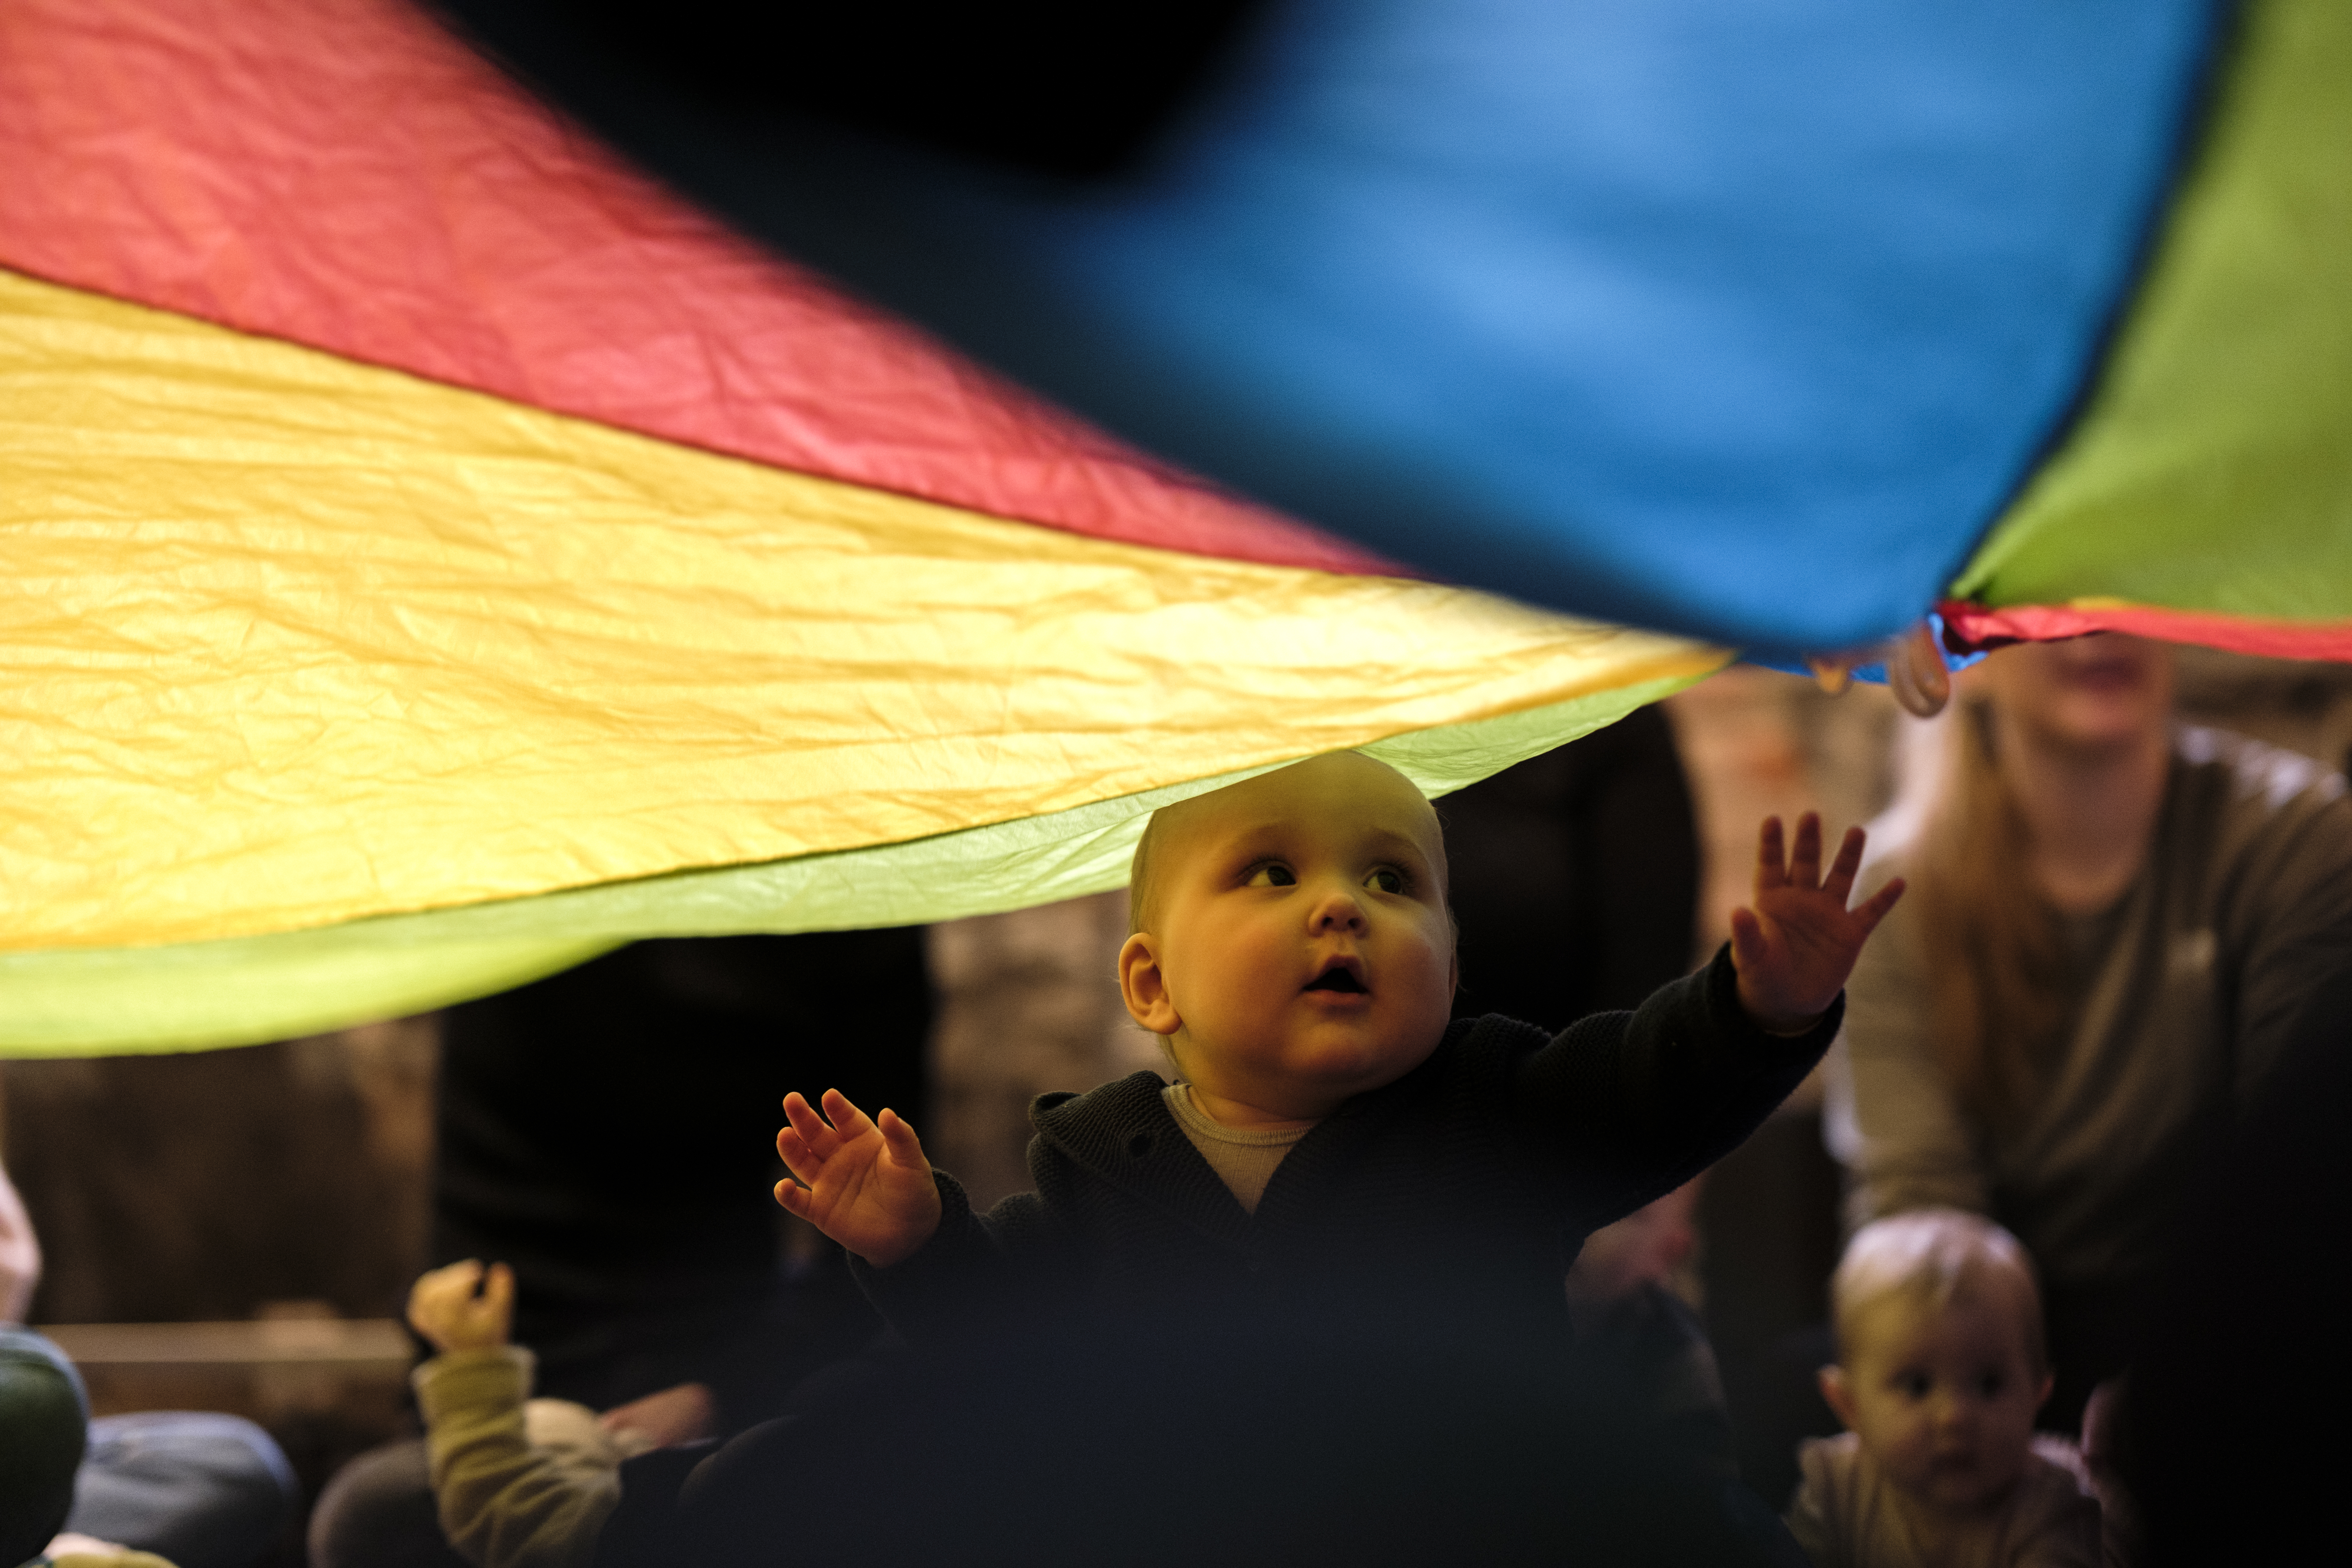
(1444, 1206)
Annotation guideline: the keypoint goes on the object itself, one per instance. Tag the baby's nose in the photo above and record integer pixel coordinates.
(1338, 910)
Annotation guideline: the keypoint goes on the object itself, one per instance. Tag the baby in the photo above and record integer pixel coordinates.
(1940, 1371)
(1337, 1167)
(518, 1482)
(1336, 1160)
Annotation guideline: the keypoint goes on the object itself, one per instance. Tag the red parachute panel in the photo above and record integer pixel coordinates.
(346, 175)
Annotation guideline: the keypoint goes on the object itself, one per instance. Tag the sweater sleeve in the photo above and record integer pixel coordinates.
(503, 1503)
(1628, 1105)
(977, 1271)
(2286, 924)
(1917, 1149)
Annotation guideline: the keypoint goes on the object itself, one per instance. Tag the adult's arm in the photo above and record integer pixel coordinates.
(2286, 924)
(1623, 1108)
(1917, 1146)
(20, 1255)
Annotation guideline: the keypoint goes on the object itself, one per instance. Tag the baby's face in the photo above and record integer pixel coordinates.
(1302, 935)
(1944, 1399)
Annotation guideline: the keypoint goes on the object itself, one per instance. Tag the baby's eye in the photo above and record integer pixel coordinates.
(1273, 874)
(1989, 1385)
(1913, 1384)
(1387, 879)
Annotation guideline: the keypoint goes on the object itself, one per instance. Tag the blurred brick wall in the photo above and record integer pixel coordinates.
(212, 1183)
(1028, 1002)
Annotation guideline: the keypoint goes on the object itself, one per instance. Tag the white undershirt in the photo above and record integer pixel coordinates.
(1242, 1157)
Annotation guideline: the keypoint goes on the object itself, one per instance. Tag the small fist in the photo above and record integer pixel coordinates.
(1794, 949)
(464, 1306)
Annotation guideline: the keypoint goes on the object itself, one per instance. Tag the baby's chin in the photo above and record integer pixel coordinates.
(1967, 1487)
(1345, 1056)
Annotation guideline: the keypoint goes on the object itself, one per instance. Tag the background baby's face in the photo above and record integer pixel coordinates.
(1943, 1396)
(1303, 937)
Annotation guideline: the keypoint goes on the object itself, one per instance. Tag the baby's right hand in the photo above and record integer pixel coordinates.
(444, 1308)
(864, 1183)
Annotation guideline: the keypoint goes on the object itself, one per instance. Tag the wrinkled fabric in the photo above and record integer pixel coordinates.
(2207, 493)
(288, 641)
(1740, 321)
(1974, 628)
(188, 996)
(346, 174)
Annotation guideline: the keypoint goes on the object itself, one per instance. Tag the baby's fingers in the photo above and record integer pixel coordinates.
(799, 1159)
(1747, 953)
(793, 1197)
(905, 1147)
(451, 1282)
(499, 1291)
(1805, 864)
(848, 1121)
(1771, 869)
(820, 1140)
(1871, 910)
(1844, 869)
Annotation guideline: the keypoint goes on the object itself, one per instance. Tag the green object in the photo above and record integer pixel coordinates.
(44, 1427)
(198, 995)
(2213, 470)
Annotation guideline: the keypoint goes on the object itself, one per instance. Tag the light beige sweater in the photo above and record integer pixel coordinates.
(1847, 1516)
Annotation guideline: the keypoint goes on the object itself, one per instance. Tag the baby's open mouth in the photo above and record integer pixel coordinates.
(1338, 977)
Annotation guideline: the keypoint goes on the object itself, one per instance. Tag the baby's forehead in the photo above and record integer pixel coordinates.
(1910, 1307)
(1343, 794)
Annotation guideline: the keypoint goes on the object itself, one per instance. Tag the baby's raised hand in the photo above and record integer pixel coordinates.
(1795, 948)
(445, 1307)
(863, 1183)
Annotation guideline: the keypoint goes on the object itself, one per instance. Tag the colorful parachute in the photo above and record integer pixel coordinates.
(436, 552)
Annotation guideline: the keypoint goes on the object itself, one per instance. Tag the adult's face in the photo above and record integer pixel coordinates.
(2104, 692)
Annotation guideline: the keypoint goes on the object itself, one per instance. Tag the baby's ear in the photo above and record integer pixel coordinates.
(1143, 985)
(1834, 1392)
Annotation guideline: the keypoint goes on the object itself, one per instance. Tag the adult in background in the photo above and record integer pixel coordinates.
(2114, 925)
(1574, 882)
(1575, 877)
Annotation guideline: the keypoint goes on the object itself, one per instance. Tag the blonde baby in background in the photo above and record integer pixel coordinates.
(1941, 1368)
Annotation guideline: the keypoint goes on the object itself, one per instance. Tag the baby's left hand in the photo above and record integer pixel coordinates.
(1795, 948)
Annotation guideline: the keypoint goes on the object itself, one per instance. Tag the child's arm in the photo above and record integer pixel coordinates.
(503, 1503)
(863, 1183)
(1794, 949)
(934, 1268)
(1622, 1107)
